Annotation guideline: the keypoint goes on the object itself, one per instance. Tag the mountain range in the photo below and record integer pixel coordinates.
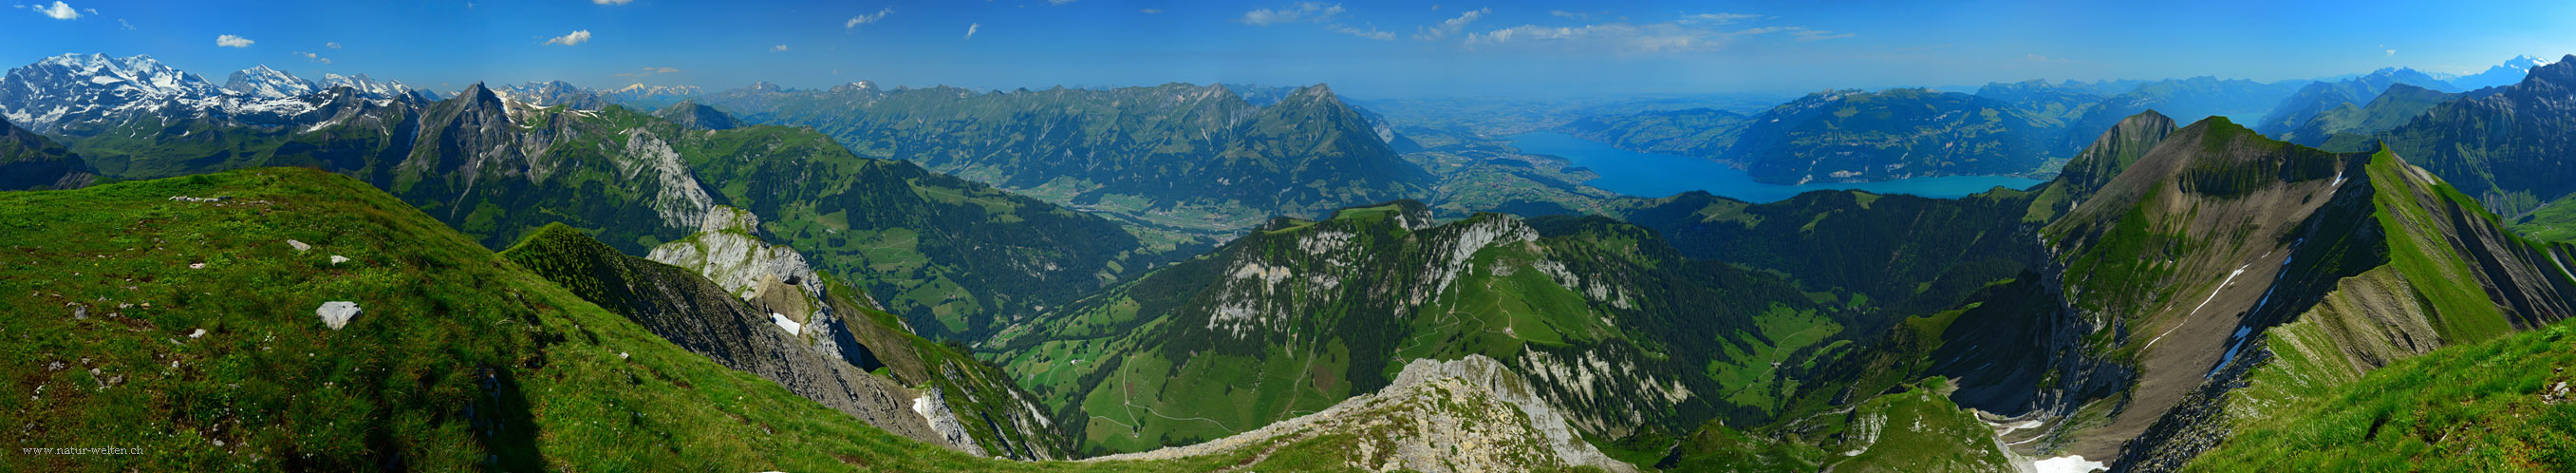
(1185, 278)
(2508, 73)
(1121, 152)
(2319, 97)
(1844, 136)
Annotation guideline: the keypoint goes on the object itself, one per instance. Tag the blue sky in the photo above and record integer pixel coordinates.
(1381, 49)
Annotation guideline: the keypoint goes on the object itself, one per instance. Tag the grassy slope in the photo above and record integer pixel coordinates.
(2495, 406)
(2555, 222)
(2309, 394)
(459, 361)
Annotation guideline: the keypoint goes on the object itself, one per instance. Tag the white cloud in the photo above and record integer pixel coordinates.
(332, 45)
(646, 71)
(778, 49)
(1452, 26)
(1804, 34)
(58, 11)
(612, 2)
(313, 57)
(121, 24)
(1305, 11)
(231, 41)
(1717, 18)
(1568, 14)
(1370, 33)
(1701, 32)
(870, 18)
(1151, 11)
(1059, 2)
(970, 29)
(577, 37)
(2392, 53)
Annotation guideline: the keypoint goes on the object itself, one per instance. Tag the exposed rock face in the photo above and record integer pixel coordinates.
(728, 251)
(1470, 414)
(680, 199)
(933, 408)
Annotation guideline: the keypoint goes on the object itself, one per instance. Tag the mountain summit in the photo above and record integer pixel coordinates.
(264, 82)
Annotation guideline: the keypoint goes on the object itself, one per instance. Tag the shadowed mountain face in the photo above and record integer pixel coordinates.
(29, 161)
(690, 114)
(1198, 159)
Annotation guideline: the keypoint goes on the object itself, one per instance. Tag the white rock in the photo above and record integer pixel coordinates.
(337, 313)
(337, 259)
(199, 333)
(933, 407)
(300, 247)
(726, 252)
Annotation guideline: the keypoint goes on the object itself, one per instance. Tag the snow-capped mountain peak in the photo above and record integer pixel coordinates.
(79, 88)
(373, 88)
(2511, 71)
(647, 93)
(138, 74)
(264, 82)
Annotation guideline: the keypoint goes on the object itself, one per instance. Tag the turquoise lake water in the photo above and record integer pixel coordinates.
(1658, 175)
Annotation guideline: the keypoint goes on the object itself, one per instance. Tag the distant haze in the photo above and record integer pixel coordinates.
(1381, 49)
